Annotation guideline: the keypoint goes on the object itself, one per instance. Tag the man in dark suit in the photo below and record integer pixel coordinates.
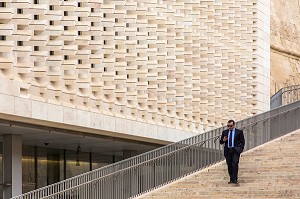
(234, 142)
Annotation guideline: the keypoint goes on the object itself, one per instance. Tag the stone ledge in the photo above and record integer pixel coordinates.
(46, 115)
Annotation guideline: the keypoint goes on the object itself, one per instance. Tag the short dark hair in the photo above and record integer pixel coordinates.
(229, 121)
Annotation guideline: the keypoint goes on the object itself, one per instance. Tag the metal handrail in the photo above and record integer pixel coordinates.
(288, 88)
(137, 175)
(133, 166)
(181, 149)
(285, 95)
(291, 88)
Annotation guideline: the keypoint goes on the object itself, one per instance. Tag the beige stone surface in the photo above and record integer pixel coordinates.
(39, 110)
(285, 70)
(184, 65)
(23, 107)
(285, 44)
(70, 116)
(7, 104)
(55, 113)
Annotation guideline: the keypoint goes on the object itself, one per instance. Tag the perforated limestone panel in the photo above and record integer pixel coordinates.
(184, 64)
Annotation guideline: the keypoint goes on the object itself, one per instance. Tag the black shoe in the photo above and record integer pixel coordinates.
(230, 182)
(235, 182)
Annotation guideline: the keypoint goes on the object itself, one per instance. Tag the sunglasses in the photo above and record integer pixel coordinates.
(229, 125)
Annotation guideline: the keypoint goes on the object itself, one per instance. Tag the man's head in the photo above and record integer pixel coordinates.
(231, 124)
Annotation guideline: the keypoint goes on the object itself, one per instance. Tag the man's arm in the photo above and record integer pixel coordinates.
(242, 139)
(222, 140)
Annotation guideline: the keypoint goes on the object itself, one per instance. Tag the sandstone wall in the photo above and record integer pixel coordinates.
(187, 65)
(285, 44)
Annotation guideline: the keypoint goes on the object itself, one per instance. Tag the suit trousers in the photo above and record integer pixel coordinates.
(232, 160)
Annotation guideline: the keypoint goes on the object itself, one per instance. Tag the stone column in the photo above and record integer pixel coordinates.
(12, 165)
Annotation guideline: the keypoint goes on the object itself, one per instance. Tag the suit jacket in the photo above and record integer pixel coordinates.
(239, 141)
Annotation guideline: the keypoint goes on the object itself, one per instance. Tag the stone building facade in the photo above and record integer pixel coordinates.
(154, 69)
(285, 44)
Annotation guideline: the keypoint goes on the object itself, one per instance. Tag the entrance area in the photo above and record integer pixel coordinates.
(46, 157)
(42, 166)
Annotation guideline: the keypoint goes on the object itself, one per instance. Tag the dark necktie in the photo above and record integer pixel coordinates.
(230, 138)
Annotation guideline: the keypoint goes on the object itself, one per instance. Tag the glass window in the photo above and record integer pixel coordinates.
(77, 163)
(50, 166)
(101, 160)
(28, 171)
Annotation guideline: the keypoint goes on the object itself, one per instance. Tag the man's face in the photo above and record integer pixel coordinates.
(230, 125)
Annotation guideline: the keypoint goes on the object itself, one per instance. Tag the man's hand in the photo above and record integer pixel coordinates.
(225, 139)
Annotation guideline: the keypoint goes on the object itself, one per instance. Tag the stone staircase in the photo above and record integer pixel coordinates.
(271, 170)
